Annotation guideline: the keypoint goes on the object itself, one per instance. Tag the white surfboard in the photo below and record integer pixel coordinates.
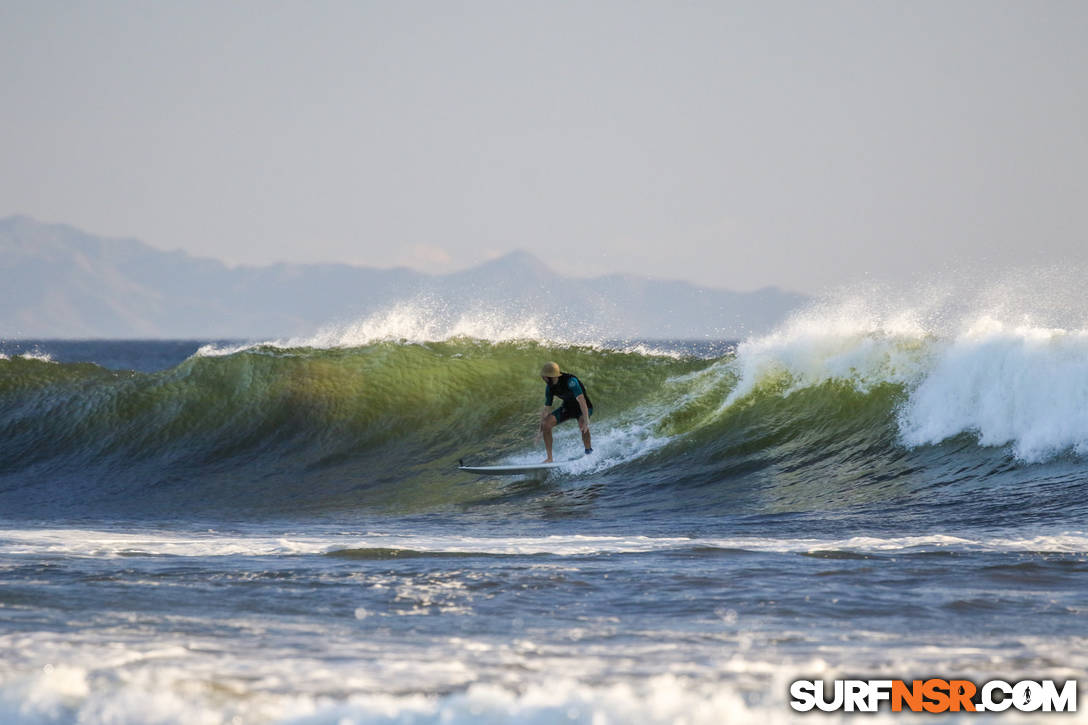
(514, 469)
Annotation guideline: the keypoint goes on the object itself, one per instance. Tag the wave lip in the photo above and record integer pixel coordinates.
(423, 321)
(427, 321)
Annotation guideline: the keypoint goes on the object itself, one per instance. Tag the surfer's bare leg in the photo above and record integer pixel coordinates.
(546, 425)
(583, 424)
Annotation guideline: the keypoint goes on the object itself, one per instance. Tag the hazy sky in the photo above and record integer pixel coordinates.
(733, 144)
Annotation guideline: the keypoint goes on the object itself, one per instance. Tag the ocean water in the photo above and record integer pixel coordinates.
(196, 532)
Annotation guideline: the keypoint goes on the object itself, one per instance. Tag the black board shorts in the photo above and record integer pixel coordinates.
(568, 412)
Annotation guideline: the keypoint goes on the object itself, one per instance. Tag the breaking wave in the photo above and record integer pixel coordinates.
(836, 408)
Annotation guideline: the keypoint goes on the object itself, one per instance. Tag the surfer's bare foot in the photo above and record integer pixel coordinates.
(548, 460)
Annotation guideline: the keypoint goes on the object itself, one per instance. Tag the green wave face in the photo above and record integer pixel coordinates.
(382, 424)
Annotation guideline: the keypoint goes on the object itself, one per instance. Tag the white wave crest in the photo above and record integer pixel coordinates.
(417, 322)
(1022, 387)
(848, 343)
(31, 355)
(424, 320)
(993, 372)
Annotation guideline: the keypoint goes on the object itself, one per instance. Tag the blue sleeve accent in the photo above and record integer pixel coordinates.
(548, 395)
(575, 387)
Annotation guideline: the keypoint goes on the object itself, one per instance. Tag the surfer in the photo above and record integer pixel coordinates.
(576, 405)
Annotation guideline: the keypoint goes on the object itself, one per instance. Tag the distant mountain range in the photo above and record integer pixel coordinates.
(60, 282)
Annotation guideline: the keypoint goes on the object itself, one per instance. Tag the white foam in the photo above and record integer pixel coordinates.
(847, 343)
(31, 355)
(121, 678)
(37, 355)
(987, 371)
(219, 350)
(421, 321)
(663, 699)
(1020, 386)
(190, 691)
(621, 441)
(429, 322)
(100, 543)
(106, 544)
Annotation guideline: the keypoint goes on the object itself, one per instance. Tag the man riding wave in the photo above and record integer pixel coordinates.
(576, 405)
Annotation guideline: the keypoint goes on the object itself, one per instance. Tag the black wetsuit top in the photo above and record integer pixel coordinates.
(567, 389)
